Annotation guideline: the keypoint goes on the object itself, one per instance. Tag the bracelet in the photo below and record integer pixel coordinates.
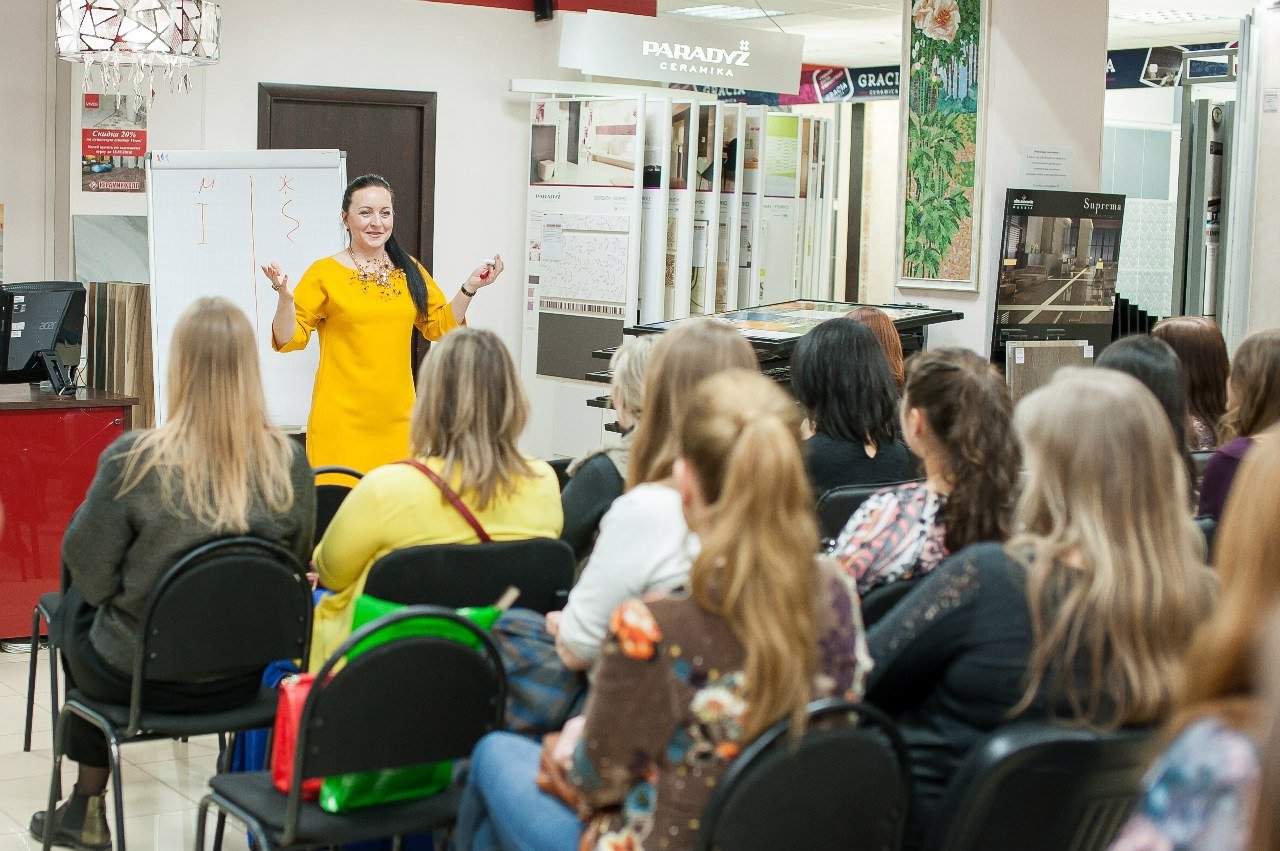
(466, 292)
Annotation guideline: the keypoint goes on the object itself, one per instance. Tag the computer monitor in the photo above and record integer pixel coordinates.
(41, 332)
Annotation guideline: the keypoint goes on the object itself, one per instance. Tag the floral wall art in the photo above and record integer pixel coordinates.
(941, 143)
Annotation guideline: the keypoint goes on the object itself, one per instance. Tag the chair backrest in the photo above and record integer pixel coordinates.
(1209, 528)
(457, 575)
(1198, 461)
(880, 600)
(1069, 789)
(837, 505)
(329, 495)
(409, 701)
(843, 786)
(561, 467)
(224, 608)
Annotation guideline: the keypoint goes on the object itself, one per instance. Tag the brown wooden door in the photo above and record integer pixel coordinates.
(383, 131)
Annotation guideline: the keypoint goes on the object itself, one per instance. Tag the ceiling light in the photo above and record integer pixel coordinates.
(726, 13)
(1167, 16)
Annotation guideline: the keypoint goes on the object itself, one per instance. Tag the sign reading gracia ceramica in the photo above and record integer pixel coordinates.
(669, 51)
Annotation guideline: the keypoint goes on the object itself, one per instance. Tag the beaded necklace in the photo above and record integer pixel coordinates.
(381, 274)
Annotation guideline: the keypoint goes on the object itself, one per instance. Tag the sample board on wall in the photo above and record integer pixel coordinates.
(655, 210)
(214, 218)
(706, 211)
(753, 141)
(779, 208)
(729, 238)
(684, 136)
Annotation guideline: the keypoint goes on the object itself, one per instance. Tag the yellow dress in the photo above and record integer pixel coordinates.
(396, 506)
(364, 384)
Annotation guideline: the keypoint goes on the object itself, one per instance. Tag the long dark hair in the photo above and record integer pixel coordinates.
(1199, 345)
(399, 257)
(842, 379)
(970, 413)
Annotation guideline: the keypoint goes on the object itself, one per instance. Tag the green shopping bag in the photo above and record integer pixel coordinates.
(344, 792)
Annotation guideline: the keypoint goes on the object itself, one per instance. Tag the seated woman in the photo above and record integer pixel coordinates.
(468, 416)
(1201, 792)
(216, 468)
(687, 680)
(887, 335)
(597, 478)
(1253, 394)
(841, 377)
(958, 418)
(644, 544)
(1199, 344)
(1084, 616)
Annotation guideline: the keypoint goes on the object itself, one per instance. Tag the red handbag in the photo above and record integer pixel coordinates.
(293, 693)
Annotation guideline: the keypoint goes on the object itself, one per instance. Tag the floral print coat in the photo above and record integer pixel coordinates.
(663, 720)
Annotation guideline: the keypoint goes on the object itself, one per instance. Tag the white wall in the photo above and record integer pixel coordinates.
(1044, 85)
(1264, 293)
(881, 154)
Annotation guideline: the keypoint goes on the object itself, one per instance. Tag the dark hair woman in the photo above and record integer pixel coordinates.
(842, 379)
(1203, 352)
(364, 302)
(958, 418)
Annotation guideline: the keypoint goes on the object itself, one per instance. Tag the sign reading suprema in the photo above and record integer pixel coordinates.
(673, 51)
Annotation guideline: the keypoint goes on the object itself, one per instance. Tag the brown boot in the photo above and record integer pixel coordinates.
(79, 822)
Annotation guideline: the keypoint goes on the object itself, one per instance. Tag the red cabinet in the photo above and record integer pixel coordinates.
(49, 447)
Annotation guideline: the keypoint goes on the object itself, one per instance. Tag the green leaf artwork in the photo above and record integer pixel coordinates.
(942, 139)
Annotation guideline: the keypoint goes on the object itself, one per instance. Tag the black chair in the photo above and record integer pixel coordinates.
(880, 600)
(561, 466)
(1209, 528)
(837, 505)
(233, 604)
(329, 496)
(412, 700)
(46, 607)
(1037, 785)
(457, 575)
(844, 786)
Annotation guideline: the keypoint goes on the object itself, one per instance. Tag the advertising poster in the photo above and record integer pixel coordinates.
(1057, 276)
(113, 143)
(583, 231)
(940, 144)
(728, 243)
(752, 180)
(684, 135)
(706, 210)
(777, 254)
(654, 209)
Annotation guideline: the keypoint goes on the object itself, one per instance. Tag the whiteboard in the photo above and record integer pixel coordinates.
(214, 218)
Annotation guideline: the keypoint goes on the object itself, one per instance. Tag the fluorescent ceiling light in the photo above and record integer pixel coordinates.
(726, 13)
(1167, 16)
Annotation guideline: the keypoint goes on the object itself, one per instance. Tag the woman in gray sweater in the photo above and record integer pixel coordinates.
(216, 468)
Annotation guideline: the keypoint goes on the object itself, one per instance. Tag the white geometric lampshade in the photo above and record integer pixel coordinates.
(172, 35)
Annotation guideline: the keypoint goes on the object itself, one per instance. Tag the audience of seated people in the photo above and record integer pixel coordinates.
(957, 417)
(644, 544)
(1199, 344)
(599, 477)
(887, 334)
(841, 378)
(467, 420)
(1083, 616)
(215, 468)
(1201, 792)
(687, 679)
(1253, 399)
(703, 611)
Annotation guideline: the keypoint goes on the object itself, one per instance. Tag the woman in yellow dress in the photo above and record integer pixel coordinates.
(364, 303)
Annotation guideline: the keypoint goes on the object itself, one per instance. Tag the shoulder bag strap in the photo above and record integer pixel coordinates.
(454, 499)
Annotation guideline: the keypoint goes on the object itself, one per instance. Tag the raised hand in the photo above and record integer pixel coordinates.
(279, 280)
(486, 274)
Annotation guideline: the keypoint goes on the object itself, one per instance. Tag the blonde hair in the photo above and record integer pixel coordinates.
(1255, 386)
(218, 453)
(1266, 810)
(470, 412)
(629, 364)
(1223, 660)
(741, 437)
(685, 355)
(1115, 574)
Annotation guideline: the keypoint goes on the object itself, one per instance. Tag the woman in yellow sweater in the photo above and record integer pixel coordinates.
(365, 302)
(470, 412)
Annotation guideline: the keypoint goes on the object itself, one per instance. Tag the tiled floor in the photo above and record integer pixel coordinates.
(163, 780)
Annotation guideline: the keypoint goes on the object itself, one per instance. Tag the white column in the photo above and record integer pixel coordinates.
(1261, 304)
(1044, 85)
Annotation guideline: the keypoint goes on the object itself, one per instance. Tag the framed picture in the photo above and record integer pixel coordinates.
(939, 210)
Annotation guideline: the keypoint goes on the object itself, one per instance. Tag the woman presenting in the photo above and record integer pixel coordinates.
(365, 302)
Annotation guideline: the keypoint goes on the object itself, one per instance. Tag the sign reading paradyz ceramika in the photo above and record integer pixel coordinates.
(670, 51)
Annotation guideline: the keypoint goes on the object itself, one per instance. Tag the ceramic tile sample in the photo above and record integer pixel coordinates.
(111, 248)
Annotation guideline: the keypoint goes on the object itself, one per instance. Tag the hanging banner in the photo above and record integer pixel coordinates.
(1158, 67)
(113, 142)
